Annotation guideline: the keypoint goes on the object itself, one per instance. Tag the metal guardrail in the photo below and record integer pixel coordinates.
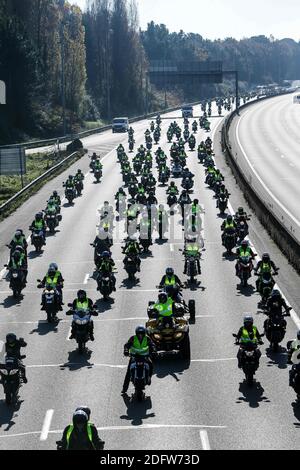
(41, 178)
(83, 134)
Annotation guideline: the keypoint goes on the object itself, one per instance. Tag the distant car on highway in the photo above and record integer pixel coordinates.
(297, 99)
(120, 124)
(187, 111)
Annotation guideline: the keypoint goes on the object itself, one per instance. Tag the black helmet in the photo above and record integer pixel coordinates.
(81, 294)
(17, 255)
(248, 320)
(266, 257)
(170, 272)
(229, 218)
(39, 215)
(55, 193)
(11, 338)
(245, 243)
(241, 210)
(86, 410)
(140, 330)
(162, 297)
(80, 419)
(196, 201)
(172, 183)
(18, 234)
(106, 254)
(276, 294)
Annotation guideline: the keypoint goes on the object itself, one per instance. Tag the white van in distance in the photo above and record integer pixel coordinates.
(120, 124)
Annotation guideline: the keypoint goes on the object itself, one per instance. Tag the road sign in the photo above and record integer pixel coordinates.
(2, 92)
(170, 72)
(12, 162)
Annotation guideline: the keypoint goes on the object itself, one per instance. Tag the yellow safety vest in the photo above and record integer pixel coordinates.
(245, 338)
(89, 432)
(141, 349)
(165, 310)
(53, 281)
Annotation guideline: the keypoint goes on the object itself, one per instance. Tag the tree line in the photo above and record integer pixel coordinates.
(98, 61)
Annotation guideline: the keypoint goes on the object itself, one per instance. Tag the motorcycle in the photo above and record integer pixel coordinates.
(79, 188)
(275, 329)
(223, 204)
(131, 145)
(192, 144)
(245, 269)
(51, 221)
(82, 318)
(266, 286)
(139, 375)
(98, 175)
(201, 156)
(105, 285)
(230, 241)
(37, 240)
(131, 266)
(17, 283)
(163, 178)
(50, 302)
(242, 231)
(192, 268)
(172, 201)
(70, 195)
(11, 379)
(250, 361)
(187, 184)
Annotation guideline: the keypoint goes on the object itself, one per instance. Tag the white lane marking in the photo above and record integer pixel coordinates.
(46, 425)
(104, 320)
(1, 346)
(88, 173)
(259, 178)
(172, 247)
(204, 440)
(128, 291)
(28, 238)
(124, 428)
(2, 273)
(69, 332)
(75, 364)
(86, 278)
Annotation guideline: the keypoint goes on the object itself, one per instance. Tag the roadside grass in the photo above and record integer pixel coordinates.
(36, 165)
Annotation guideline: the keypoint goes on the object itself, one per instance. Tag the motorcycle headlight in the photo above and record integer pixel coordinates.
(178, 335)
(157, 336)
(15, 275)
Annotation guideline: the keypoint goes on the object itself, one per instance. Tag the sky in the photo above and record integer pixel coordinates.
(215, 19)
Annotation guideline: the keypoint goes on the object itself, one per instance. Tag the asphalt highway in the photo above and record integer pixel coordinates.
(203, 406)
(266, 138)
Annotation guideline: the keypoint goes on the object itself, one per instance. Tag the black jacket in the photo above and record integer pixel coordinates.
(15, 351)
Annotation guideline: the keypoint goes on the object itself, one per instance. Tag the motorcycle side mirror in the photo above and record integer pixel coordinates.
(6, 265)
(23, 357)
(234, 335)
(38, 280)
(70, 305)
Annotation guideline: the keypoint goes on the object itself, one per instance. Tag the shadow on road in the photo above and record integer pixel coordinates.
(137, 411)
(104, 305)
(130, 284)
(7, 414)
(77, 361)
(34, 254)
(45, 328)
(277, 358)
(229, 257)
(11, 302)
(245, 291)
(252, 395)
(165, 365)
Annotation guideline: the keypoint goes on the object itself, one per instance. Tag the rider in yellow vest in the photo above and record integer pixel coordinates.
(266, 265)
(55, 280)
(83, 303)
(138, 345)
(81, 434)
(170, 279)
(228, 226)
(248, 333)
(39, 224)
(164, 306)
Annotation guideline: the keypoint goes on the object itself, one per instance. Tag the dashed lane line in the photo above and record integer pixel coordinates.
(46, 425)
(204, 440)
